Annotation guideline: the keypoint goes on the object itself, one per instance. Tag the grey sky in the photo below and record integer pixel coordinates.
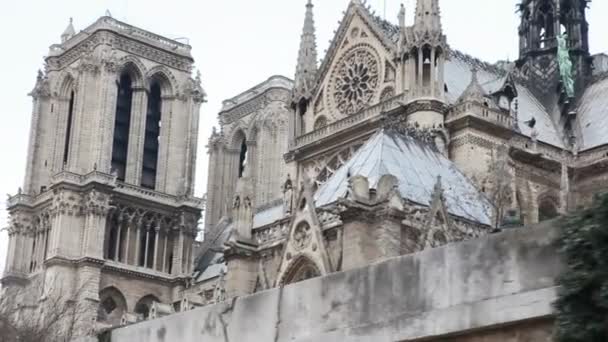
(236, 44)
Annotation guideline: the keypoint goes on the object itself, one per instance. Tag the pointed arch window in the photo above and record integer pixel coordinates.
(546, 23)
(427, 66)
(68, 130)
(547, 209)
(243, 158)
(122, 124)
(151, 142)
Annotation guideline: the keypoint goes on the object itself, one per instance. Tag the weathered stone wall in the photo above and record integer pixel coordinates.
(460, 292)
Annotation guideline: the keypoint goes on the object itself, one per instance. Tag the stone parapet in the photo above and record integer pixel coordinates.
(503, 280)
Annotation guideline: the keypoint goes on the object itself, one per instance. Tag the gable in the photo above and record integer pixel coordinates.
(357, 69)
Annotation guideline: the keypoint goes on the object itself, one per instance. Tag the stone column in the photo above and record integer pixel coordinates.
(433, 75)
(148, 227)
(166, 119)
(138, 242)
(156, 254)
(419, 72)
(118, 234)
(164, 260)
(137, 131)
(128, 241)
(178, 253)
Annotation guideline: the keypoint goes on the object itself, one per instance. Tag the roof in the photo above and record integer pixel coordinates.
(211, 262)
(268, 216)
(458, 74)
(417, 166)
(273, 82)
(593, 115)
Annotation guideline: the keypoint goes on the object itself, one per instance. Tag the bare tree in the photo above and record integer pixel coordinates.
(498, 184)
(56, 318)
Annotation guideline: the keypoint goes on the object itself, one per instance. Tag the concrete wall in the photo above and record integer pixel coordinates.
(466, 289)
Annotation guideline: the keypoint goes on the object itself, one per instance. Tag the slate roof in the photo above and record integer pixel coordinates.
(417, 167)
(211, 262)
(458, 73)
(268, 216)
(593, 115)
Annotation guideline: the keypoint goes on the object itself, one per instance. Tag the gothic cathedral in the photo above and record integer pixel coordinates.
(394, 143)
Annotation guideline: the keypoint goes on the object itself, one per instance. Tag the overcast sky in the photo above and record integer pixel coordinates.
(236, 44)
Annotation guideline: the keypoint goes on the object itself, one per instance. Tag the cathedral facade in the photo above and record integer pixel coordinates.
(393, 144)
(397, 142)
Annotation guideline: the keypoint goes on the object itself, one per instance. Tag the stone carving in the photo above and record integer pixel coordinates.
(302, 236)
(288, 196)
(356, 81)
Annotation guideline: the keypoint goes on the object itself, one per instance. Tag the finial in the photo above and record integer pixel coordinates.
(69, 31)
(401, 15)
(108, 14)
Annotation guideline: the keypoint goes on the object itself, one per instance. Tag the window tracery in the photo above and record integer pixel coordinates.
(356, 81)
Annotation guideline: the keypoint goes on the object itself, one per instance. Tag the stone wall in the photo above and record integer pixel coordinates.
(496, 288)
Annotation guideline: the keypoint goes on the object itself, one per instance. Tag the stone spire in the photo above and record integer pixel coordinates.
(428, 17)
(69, 32)
(306, 69)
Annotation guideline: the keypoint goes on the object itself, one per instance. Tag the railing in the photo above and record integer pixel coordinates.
(106, 179)
(481, 111)
(92, 177)
(117, 26)
(129, 189)
(352, 120)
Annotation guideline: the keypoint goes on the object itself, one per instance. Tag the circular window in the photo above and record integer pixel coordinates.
(356, 81)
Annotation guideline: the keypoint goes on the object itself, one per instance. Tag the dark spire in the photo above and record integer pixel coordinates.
(306, 69)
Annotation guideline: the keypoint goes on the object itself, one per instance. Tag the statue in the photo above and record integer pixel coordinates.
(565, 64)
(287, 196)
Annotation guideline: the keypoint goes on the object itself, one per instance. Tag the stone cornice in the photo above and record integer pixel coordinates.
(62, 56)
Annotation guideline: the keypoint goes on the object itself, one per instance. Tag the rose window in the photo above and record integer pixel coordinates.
(356, 81)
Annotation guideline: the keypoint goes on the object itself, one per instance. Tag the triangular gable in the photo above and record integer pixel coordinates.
(356, 16)
(305, 240)
(438, 222)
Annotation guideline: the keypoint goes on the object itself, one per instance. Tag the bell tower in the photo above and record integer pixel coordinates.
(542, 21)
(108, 193)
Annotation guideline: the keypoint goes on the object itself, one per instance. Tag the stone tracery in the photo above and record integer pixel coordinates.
(356, 81)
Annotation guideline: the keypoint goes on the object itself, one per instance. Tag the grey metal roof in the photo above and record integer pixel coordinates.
(268, 216)
(458, 76)
(211, 262)
(593, 115)
(417, 167)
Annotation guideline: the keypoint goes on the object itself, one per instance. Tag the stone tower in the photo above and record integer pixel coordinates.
(306, 72)
(107, 207)
(541, 22)
(424, 48)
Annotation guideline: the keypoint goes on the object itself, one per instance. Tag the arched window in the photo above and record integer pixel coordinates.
(144, 305)
(111, 241)
(546, 23)
(547, 210)
(122, 124)
(320, 123)
(112, 306)
(243, 157)
(427, 66)
(301, 269)
(302, 108)
(153, 125)
(68, 130)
